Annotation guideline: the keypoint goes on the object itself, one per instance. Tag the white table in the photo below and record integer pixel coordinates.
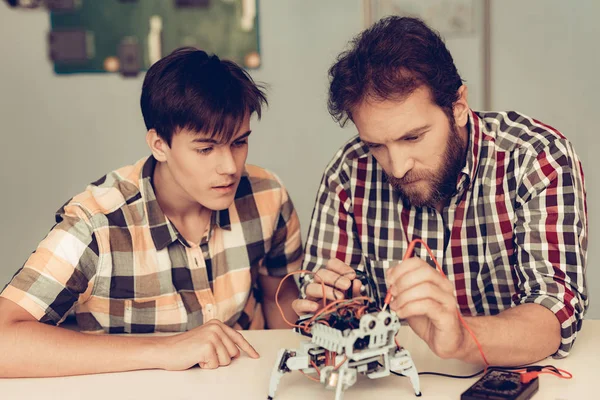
(247, 378)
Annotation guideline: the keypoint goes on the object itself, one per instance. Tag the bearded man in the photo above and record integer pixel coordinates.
(498, 197)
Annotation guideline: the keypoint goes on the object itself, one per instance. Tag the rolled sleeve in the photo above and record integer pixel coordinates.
(551, 239)
(58, 271)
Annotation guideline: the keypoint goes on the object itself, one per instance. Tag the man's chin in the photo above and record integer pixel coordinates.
(415, 197)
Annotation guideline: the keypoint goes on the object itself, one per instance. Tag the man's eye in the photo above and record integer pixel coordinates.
(373, 145)
(204, 151)
(240, 143)
(411, 138)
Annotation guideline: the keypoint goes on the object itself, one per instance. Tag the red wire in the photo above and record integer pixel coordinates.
(408, 254)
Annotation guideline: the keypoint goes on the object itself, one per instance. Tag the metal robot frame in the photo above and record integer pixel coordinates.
(370, 349)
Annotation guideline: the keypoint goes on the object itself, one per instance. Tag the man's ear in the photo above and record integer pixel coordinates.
(461, 107)
(158, 146)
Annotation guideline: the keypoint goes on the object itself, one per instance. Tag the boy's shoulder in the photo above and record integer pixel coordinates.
(260, 179)
(111, 192)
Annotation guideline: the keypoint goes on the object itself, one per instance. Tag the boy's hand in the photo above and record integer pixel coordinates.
(211, 345)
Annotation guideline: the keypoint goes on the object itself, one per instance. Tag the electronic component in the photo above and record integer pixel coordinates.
(62, 5)
(24, 3)
(192, 3)
(501, 385)
(71, 46)
(52, 5)
(129, 57)
(87, 34)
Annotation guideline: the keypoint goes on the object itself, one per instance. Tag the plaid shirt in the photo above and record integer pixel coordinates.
(515, 231)
(122, 266)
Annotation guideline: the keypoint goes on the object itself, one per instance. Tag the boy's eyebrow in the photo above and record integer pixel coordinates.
(213, 141)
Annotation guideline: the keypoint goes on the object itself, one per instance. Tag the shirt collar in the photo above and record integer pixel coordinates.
(163, 232)
(475, 135)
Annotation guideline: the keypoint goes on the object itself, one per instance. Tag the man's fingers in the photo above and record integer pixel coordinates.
(316, 290)
(425, 291)
(340, 268)
(331, 278)
(418, 276)
(356, 286)
(427, 308)
(304, 306)
(404, 267)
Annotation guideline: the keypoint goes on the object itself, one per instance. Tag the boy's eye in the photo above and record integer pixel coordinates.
(411, 138)
(240, 143)
(204, 151)
(373, 145)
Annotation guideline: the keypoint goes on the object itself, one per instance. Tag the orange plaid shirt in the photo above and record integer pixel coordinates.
(120, 264)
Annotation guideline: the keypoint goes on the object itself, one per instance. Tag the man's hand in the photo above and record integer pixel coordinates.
(425, 298)
(211, 345)
(335, 273)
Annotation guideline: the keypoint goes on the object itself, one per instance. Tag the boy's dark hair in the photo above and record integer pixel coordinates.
(389, 61)
(189, 89)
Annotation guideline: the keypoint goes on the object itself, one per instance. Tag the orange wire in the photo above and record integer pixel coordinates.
(408, 253)
(341, 362)
(279, 288)
(310, 377)
(315, 367)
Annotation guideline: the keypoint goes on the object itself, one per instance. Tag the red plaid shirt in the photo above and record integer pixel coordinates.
(514, 232)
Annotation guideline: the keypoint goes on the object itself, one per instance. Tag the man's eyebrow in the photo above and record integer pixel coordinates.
(414, 131)
(213, 141)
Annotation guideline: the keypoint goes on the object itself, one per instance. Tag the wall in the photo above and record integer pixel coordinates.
(58, 133)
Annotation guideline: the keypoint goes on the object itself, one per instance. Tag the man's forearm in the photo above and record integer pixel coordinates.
(520, 335)
(32, 349)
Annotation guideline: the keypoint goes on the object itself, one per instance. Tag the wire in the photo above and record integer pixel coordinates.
(408, 254)
(443, 375)
(528, 373)
(341, 363)
(312, 378)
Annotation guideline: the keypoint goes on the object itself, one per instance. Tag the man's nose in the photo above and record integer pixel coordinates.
(400, 162)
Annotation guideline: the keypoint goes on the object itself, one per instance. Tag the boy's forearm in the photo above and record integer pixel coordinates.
(32, 349)
(287, 294)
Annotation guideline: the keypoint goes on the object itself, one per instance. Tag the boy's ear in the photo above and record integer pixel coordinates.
(157, 145)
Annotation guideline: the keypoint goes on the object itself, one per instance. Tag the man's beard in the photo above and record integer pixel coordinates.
(441, 182)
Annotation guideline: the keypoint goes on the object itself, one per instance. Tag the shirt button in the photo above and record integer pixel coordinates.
(209, 307)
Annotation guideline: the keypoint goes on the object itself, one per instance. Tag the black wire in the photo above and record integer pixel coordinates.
(479, 372)
(442, 374)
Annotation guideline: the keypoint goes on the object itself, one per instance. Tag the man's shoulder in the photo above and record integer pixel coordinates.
(111, 192)
(346, 156)
(514, 131)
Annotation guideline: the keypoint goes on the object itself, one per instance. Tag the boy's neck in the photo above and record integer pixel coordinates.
(173, 201)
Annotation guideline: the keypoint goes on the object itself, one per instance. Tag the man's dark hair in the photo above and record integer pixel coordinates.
(389, 61)
(190, 89)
